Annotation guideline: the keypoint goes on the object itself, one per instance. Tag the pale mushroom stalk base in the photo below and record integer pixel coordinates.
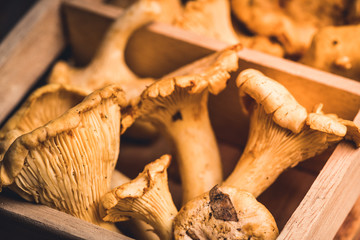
(189, 126)
(272, 149)
(109, 66)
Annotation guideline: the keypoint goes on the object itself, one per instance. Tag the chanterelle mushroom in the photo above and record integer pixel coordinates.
(108, 65)
(67, 163)
(43, 105)
(212, 18)
(139, 228)
(281, 133)
(293, 23)
(224, 213)
(336, 49)
(179, 107)
(146, 197)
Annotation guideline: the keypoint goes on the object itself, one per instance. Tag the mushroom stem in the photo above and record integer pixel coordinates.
(271, 149)
(109, 66)
(192, 133)
(178, 106)
(111, 51)
(281, 132)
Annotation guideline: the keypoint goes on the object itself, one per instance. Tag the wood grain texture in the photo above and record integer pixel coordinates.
(27, 52)
(10, 13)
(350, 229)
(86, 24)
(32, 221)
(285, 194)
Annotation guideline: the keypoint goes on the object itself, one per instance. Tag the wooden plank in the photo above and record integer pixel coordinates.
(285, 194)
(10, 13)
(86, 24)
(330, 198)
(32, 221)
(350, 229)
(27, 51)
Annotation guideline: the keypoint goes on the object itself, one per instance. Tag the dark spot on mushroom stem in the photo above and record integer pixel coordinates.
(221, 205)
(192, 234)
(334, 42)
(176, 116)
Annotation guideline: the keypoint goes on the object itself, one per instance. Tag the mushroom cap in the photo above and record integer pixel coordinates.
(178, 106)
(136, 188)
(323, 123)
(212, 75)
(336, 49)
(44, 104)
(224, 213)
(339, 126)
(353, 131)
(275, 98)
(147, 198)
(292, 23)
(67, 163)
(225, 59)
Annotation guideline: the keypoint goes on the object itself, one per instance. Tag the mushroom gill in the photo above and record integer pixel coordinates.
(147, 198)
(43, 105)
(67, 163)
(178, 106)
(281, 133)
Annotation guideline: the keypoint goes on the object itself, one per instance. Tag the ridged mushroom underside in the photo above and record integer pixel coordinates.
(271, 149)
(178, 106)
(281, 132)
(147, 197)
(43, 105)
(67, 163)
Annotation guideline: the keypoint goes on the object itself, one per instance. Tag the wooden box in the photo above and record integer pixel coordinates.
(310, 201)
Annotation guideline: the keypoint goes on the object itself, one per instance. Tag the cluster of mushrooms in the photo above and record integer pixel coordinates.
(321, 34)
(61, 147)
